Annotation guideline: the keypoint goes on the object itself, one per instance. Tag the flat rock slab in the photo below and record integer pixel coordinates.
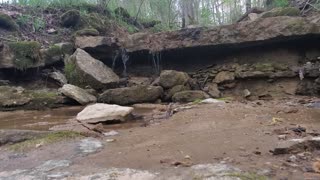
(78, 94)
(89, 145)
(294, 146)
(104, 112)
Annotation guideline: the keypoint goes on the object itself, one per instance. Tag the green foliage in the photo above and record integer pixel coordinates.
(54, 50)
(6, 22)
(37, 23)
(281, 3)
(27, 54)
(160, 28)
(45, 140)
(95, 21)
(205, 16)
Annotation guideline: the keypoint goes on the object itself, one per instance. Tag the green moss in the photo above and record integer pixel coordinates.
(226, 99)
(45, 140)
(54, 51)
(96, 21)
(44, 95)
(66, 48)
(288, 11)
(263, 67)
(6, 22)
(73, 75)
(197, 101)
(87, 32)
(297, 25)
(27, 54)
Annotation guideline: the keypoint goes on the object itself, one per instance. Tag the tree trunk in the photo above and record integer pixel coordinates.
(248, 5)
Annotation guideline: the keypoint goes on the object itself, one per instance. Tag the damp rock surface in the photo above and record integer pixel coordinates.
(131, 95)
(78, 94)
(104, 112)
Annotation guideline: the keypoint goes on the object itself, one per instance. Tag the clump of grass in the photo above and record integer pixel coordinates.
(197, 101)
(27, 54)
(44, 140)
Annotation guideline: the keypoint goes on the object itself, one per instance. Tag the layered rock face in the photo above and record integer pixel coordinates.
(244, 32)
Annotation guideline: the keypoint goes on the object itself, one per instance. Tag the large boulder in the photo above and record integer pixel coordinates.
(21, 55)
(70, 18)
(78, 94)
(171, 78)
(224, 76)
(16, 98)
(189, 96)
(131, 95)
(213, 90)
(169, 93)
(104, 112)
(83, 70)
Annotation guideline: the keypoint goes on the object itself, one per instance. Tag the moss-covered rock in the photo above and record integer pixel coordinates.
(51, 55)
(83, 70)
(70, 18)
(56, 53)
(13, 98)
(95, 21)
(87, 32)
(66, 48)
(6, 22)
(287, 11)
(26, 54)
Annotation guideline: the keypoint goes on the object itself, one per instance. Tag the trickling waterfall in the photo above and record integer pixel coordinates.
(125, 59)
(114, 60)
(156, 61)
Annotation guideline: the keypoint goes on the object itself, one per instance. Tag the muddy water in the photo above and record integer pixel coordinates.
(37, 120)
(44, 120)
